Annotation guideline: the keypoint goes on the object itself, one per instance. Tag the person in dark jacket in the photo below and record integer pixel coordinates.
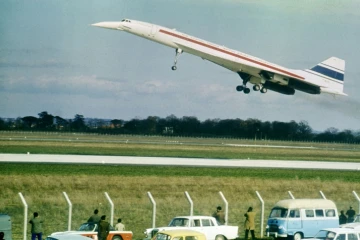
(342, 217)
(103, 228)
(219, 215)
(350, 215)
(95, 217)
(36, 227)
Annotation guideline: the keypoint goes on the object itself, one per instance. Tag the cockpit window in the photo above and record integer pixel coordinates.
(125, 20)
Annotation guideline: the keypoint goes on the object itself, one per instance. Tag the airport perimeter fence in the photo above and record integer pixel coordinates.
(67, 221)
(130, 136)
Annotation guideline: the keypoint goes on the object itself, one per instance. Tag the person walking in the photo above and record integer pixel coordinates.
(36, 227)
(250, 223)
(342, 218)
(95, 218)
(103, 228)
(119, 226)
(219, 215)
(350, 215)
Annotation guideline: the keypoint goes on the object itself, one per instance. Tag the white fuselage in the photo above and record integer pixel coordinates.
(204, 49)
(231, 59)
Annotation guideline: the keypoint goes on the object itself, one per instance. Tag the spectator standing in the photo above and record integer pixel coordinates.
(250, 223)
(119, 226)
(350, 215)
(103, 228)
(36, 227)
(342, 218)
(95, 217)
(2, 235)
(219, 215)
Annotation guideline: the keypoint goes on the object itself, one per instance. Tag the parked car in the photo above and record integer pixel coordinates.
(355, 224)
(204, 224)
(337, 234)
(90, 230)
(179, 234)
(67, 237)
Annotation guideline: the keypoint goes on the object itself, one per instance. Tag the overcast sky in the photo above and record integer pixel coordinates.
(52, 60)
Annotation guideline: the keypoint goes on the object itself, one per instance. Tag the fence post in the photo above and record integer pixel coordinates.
(262, 214)
(226, 207)
(25, 214)
(322, 195)
(357, 198)
(290, 194)
(70, 210)
(154, 208)
(191, 203)
(112, 208)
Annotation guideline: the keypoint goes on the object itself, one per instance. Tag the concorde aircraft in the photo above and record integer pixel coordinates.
(325, 77)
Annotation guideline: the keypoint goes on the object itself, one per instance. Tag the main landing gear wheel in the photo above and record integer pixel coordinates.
(178, 51)
(256, 87)
(263, 90)
(241, 88)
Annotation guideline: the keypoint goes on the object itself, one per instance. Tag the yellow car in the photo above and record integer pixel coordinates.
(179, 235)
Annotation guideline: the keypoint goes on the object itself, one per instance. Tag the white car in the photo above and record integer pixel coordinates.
(204, 224)
(355, 224)
(89, 230)
(67, 237)
(337, 234)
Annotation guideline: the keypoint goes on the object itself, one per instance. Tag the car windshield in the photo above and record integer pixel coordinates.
(87, 227)
(161, 236)
(91, 226)
(278, 213)
(179, 222)
(323, 234)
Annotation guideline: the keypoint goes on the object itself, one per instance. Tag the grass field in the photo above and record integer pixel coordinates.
(43, 184)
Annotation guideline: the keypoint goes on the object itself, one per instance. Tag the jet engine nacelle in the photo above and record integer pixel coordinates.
(279, 88)
(303, 86)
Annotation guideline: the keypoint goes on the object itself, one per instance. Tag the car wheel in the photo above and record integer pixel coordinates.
(219, 237)
(116, 238)
(297, 236)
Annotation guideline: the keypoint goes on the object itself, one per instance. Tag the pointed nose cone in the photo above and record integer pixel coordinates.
(109, 25)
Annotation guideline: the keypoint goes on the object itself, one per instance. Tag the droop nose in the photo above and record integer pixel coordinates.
(109, 25)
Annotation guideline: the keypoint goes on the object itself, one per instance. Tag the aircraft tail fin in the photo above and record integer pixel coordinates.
(332, 69)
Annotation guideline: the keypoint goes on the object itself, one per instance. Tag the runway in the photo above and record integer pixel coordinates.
(166, 161)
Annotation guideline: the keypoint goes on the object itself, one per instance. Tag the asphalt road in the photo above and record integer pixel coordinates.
(195, 162)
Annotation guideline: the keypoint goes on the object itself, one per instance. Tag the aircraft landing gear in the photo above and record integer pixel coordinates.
(256, 87)
(178, 51)
(245, 77)
(263, 90)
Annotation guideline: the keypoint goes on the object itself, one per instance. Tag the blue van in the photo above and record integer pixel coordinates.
(301, 218)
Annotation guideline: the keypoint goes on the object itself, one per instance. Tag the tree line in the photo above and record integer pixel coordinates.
(184, 126)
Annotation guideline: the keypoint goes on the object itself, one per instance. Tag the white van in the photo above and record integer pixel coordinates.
(301, 218)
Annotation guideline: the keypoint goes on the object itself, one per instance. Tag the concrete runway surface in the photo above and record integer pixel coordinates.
(166, 161)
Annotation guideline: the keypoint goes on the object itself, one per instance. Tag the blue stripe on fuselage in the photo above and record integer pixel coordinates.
(328, 72)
